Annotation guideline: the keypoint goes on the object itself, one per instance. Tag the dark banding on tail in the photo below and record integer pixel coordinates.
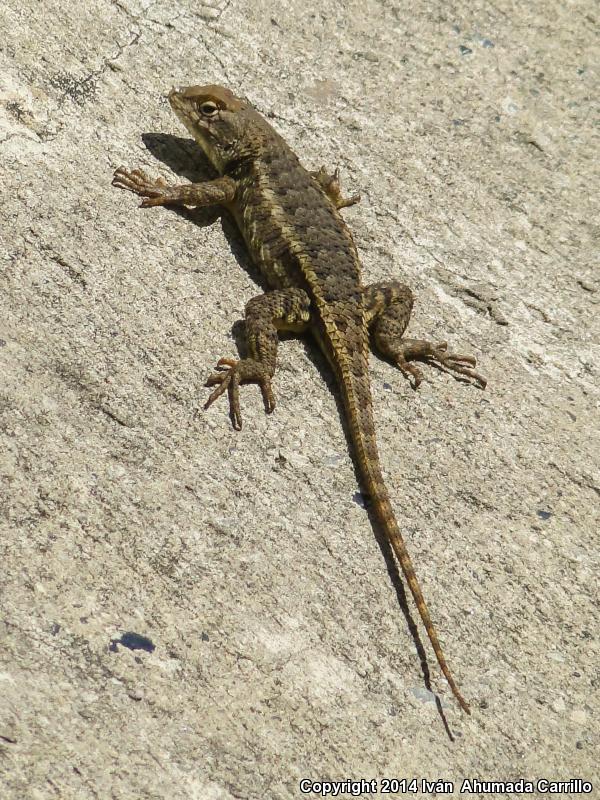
(359, 409)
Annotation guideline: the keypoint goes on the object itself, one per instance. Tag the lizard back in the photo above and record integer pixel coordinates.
(298, 238)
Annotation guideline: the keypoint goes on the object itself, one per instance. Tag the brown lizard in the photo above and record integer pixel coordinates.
(290, 221)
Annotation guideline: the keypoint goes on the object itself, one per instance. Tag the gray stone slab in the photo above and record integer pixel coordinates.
(191, 612)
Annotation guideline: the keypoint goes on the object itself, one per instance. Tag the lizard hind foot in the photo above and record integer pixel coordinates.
(438, 356)
(457, 363)
(247, 370)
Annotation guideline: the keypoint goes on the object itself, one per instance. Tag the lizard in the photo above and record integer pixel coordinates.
(290, 220)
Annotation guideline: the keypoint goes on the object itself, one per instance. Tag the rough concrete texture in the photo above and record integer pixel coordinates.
(191, 612)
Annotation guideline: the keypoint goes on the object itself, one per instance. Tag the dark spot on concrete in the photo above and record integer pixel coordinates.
(544, 514)
(361, 499)
(79, 90)
(133, 641)
(16, 110)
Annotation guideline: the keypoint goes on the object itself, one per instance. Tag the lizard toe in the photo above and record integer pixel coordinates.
(155, 192)
(410, 371)
(246, 370)
(458, 363)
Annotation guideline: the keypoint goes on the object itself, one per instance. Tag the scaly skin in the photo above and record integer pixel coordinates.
(291, 224)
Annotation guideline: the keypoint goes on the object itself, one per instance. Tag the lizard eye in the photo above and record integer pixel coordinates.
(209, 109)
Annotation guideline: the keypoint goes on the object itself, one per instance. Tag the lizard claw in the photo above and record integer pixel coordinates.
(411, 372)
(243, 371)
(455, 362)
(436, 355)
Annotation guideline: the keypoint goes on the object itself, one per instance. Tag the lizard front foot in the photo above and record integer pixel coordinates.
(245, 371)
(330, 184)
(155, 192)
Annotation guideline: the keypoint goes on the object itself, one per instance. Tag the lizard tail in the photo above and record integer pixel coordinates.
(357, 399)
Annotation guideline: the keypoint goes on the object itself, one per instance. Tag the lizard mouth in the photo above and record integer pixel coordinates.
(187, 113)
(177, 102)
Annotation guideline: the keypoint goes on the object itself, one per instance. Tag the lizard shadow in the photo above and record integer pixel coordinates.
(186, 159)
(181, 155)
(393, 570)
(398, 584)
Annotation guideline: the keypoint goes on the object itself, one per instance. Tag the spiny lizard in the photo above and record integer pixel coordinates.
(290, 221)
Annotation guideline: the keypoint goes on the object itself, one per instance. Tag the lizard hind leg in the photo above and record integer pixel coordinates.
(389, 306)
(286, 309)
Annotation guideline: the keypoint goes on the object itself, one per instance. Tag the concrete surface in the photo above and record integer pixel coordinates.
(191, 612)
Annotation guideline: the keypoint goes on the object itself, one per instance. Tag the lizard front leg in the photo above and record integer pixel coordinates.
(330, 184)
(389, 306)
(158, 193)
(286, 309)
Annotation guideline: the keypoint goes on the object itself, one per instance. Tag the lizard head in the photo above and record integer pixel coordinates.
(218, 121)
